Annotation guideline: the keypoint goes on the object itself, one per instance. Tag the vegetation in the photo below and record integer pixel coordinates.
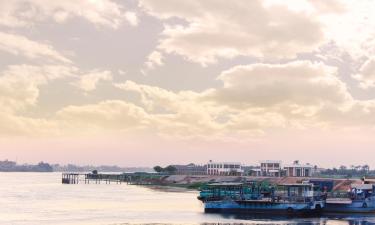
(352, 171)
(10, 166)
(169, 169)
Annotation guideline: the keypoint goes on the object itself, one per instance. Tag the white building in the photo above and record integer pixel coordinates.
(270, 168)
(298, 170)
(224, 168)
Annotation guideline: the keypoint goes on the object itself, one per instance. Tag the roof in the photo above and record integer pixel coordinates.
(226, 184)
(296, 185)
(235, 163)
(362, 186)
(299, 166)
(270, 161)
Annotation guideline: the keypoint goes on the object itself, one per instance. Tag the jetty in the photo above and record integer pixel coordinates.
(137, 178)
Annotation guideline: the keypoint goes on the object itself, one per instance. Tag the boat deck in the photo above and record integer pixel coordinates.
(339, 201)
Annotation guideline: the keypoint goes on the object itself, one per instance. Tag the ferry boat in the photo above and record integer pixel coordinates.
(360, 199)
(288, 199)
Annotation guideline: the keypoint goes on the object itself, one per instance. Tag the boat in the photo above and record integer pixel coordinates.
(359, 199)
(288, 199)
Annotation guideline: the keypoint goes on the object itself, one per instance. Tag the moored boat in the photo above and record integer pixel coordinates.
(360, 199)
(289, 199)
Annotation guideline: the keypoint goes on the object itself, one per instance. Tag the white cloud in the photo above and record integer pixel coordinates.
(19, 84)
(132, 18)
(155, 58)
(226, 29)
(12, 125)
(252, 99)
(88, 82)
(100, 12)
(20, 90)
(20, 45)
(263, 85)
(366, 73)
(107, 115)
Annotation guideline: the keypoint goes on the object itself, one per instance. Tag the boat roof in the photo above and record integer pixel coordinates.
(226, 184)
(362, 186)
(296, 185)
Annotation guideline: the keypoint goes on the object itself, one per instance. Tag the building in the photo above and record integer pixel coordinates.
(190, 169)
(298, 170)
(224, 168)
(270, 168)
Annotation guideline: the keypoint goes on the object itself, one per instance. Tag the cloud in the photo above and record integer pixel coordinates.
(14, 126)
(300, 83)
(19, 91)
(223, 29)
(88, 82)
(366, 73)
(333, 6)
(255, 98)
(155, 58)
(252, 100)
(19, 84)
(20, 45)
(17, 13)
(104, 116)
(132, 18)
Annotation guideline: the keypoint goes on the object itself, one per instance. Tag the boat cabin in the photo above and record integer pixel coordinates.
(361, 191)
(234, 191)
(305, 192)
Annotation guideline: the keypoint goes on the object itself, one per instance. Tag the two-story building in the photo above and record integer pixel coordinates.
(224, 168)
(298, 170)
(270, 168)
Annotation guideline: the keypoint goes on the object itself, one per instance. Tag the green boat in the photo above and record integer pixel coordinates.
(253, 197)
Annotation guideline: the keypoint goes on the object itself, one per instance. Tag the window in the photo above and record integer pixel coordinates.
(298, 172)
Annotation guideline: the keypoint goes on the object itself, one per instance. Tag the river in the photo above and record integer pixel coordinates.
(40, 198)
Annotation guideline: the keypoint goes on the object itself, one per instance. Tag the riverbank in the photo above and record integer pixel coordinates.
(195, 182)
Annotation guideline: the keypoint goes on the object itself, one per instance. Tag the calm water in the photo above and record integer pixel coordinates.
(36, 198)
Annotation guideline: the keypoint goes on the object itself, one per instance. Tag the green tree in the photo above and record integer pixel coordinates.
(158, 169)
(170, 169)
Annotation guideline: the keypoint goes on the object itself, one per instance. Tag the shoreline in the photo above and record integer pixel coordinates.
(192, 182)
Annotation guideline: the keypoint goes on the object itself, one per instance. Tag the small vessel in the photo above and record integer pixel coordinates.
(360, 199)
(288, 199)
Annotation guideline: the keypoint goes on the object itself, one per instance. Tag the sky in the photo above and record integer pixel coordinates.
(144, 82)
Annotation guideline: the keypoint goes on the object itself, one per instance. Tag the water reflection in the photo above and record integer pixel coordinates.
(363, 219)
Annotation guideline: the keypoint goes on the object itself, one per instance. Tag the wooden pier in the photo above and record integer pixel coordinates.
(96, 178)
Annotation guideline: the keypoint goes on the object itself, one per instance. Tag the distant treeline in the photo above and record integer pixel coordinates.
(348, 172)
(10, 166)
(88, 168)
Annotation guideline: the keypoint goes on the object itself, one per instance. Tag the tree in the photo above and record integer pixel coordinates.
(366, 168)
(170, 169)
(342, 167)
(158, 169)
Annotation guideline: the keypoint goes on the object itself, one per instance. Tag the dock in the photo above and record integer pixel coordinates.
(105, 178)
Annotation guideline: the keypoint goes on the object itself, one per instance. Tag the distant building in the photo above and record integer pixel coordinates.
(256, 172)
(190, 169)
(224, 168)
(298, 170)
(270, 168)
(248, 170)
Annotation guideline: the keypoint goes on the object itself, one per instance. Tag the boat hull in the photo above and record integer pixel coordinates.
(263, 207)
(356, 206)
